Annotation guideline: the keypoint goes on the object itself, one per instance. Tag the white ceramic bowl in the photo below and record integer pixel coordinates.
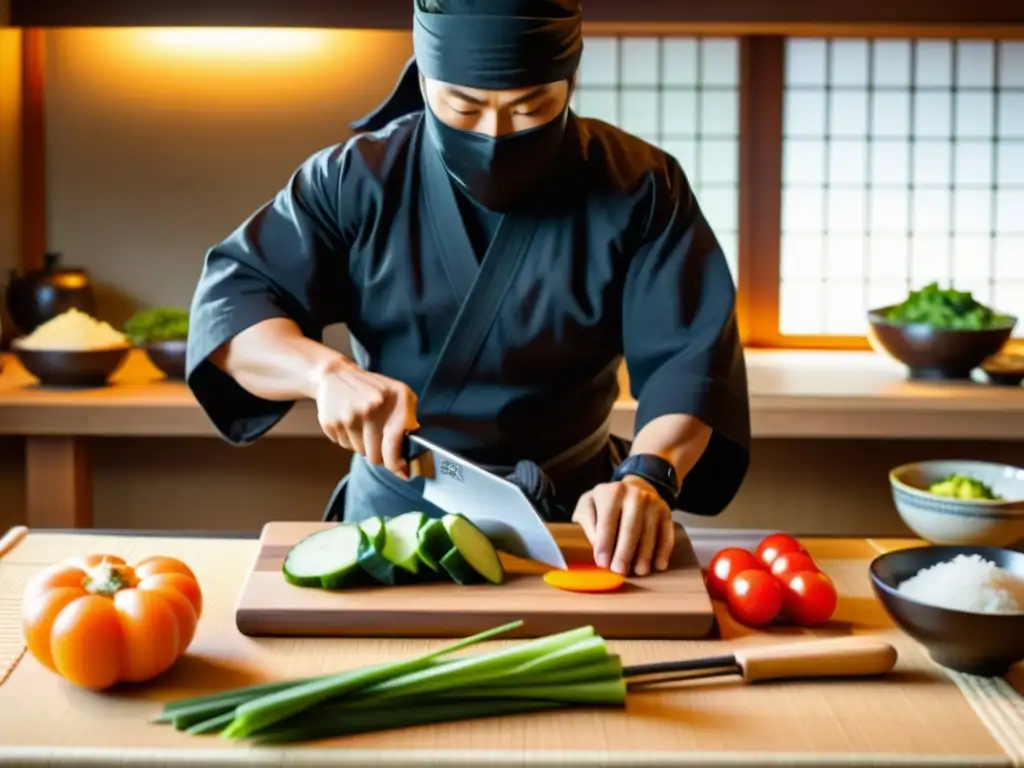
(967, 522)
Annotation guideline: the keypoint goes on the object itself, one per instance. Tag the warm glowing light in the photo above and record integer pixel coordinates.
(228, 41)
(209, 70)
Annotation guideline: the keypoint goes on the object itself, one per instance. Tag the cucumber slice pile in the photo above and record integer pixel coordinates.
(408, 549)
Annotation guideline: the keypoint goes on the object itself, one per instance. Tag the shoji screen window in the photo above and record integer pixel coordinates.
(681, 94)
(903, 164)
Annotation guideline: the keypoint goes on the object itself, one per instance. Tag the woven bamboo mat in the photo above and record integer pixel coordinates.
(998, 703)
(918, 715)
(11, 645)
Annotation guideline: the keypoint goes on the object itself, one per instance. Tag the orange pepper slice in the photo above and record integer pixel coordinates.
(585, 578)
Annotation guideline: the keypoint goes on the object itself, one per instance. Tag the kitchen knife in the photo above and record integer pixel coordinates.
(846, 656)
(494, 505)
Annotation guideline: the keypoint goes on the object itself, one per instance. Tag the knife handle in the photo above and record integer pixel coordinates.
(409, 447)
(850, 656)
(412, 450)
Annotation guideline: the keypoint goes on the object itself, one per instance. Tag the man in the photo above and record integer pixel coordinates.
(494, 257)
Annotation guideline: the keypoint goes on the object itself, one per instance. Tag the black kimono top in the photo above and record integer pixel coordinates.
(514, 351)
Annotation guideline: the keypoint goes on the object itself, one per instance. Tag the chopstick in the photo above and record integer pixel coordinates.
(852, 656)
(11, 539)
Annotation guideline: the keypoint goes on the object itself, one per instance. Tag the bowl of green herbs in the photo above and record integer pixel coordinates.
(939, 333)
(163, 333)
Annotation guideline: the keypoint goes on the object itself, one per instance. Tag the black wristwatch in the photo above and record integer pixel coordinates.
(656, 471)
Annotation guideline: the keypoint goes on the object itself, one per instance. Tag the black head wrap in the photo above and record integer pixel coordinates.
(487, 44)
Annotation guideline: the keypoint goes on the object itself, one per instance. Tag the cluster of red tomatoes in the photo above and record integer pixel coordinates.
(780, 579)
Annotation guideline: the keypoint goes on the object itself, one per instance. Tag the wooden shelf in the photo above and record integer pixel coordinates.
(724, 16)
(793, 394)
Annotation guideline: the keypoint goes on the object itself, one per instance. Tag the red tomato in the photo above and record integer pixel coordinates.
(809, 597)
(755, 597)
(776, 544)
(791, 562)
(725, 565)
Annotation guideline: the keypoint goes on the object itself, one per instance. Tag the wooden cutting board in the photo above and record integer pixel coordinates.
(673, 604)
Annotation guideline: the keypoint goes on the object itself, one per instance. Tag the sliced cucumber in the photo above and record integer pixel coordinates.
(373, 527)
(434, 544)
(328, 558)
(389, 554)
(402, 540)
(371, 554)
(392, 552)
(472, 549)
(458, 570)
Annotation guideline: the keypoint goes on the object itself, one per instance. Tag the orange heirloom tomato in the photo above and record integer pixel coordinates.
(97, 621)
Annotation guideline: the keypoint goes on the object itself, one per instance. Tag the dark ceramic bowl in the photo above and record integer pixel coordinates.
(1004, 379)
(67, 368)
(168, 356)
(936, 353)
(985, 644)
(1005, 370)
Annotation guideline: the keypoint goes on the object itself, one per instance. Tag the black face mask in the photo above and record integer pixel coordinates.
(497, 172)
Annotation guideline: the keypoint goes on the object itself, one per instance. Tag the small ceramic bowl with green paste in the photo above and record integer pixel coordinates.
(961, 502)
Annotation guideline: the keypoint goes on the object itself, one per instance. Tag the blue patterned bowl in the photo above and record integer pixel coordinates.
(964, 522)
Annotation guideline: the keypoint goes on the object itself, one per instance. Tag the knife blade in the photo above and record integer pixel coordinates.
(496, 506)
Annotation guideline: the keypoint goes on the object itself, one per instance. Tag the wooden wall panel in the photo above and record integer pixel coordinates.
(762, 72)
(33, 148)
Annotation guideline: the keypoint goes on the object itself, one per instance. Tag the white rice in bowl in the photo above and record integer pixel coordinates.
(967, 583)
(73, 331)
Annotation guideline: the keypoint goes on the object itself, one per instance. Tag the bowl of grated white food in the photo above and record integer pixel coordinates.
(72, 349)
(965, 605)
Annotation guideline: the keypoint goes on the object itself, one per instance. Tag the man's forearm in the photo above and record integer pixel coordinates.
(273, 360)
(679, 439)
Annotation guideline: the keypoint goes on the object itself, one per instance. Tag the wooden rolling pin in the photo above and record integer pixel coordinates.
(850, 656)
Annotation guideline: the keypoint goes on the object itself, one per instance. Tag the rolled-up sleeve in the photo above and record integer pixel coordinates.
(681, 340)
(288, 260)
